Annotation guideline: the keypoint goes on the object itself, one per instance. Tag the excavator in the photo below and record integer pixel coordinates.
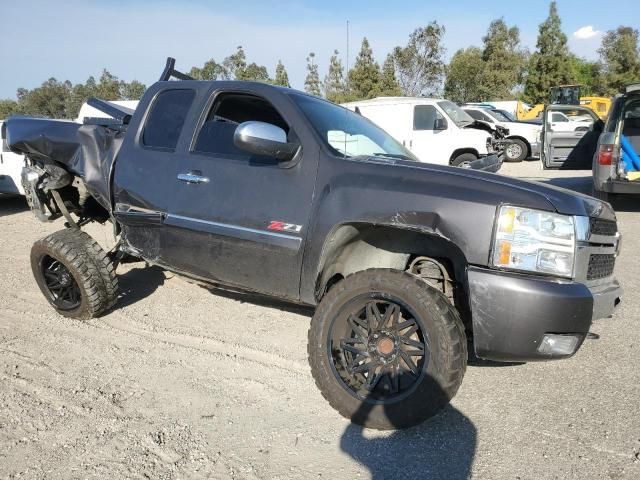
(564, 95)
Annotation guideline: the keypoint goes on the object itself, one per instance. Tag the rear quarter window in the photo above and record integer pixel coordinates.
(166, 118)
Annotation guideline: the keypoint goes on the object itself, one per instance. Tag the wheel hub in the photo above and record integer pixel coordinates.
(385, 346)
(64, 278)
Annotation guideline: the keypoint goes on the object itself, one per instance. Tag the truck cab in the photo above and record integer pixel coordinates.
(435, 130)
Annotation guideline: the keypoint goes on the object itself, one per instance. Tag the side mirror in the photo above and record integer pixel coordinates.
(440, 124)
(265, 139)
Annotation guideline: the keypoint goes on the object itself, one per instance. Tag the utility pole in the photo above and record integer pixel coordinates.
(347, 71)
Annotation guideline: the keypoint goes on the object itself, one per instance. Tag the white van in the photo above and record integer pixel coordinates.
(435, 130)
(10, 168)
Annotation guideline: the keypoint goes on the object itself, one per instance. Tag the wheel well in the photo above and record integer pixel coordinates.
(522, 139)
(356, 247)
(460, 151)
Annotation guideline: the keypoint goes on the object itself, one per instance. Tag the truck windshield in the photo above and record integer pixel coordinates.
(498, 115)
(349, 134)
(456, 114)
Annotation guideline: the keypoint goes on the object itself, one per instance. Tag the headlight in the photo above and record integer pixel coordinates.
(535, 241)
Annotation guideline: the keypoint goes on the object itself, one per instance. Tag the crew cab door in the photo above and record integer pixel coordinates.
(569, 147)
(431, 136)
(234, 217)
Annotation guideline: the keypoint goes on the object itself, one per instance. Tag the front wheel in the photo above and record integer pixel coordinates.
(463, 160)
(515, 151)
(386, 349)
(74, 273)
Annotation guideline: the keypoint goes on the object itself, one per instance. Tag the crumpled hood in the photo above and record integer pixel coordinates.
(525, 193)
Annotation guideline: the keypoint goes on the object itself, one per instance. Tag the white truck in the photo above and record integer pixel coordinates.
(525, 137)
(11, 163)
(435, 130)
(10, 168)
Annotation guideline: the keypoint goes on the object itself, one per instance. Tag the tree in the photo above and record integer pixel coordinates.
(364, 77)
(588, 75)
(211, 70)
(464, 75)
(9, 107)
(620, 58)
(551, 63)
(282, 78)
(335, 88)
(504, 61)
(312, 82)
(235, 64)
(132, 91)
(389, 86)
(254, 72)
(50, 99)
(420, 66)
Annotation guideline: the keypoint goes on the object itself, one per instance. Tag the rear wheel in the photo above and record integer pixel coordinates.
(387, 350)
(463, 160)
(515, 151)
(75, 275)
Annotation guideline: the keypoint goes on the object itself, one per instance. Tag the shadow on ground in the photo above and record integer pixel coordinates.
(12, 204)
(441, 448)
(138, 283)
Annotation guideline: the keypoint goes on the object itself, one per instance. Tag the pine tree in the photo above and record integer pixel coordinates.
(389, 86)
(551, 63)
(335, 88)
(312, 82)
(504, 61)
(364, 77)
(282, 78)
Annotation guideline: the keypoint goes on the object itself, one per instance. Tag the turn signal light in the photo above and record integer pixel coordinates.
(605, 154)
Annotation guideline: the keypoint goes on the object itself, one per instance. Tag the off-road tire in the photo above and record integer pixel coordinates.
(524, 150)
(447, 358)
(89, 265)
(463, 158)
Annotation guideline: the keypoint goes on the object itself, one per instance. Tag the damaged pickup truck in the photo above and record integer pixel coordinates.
(254, 187)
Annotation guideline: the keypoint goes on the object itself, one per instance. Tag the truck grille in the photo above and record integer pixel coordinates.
(599, 226)
(600, 265)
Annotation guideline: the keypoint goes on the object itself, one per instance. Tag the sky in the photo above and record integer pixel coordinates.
(74, 39)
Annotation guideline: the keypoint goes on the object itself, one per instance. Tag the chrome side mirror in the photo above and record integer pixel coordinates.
(265, 139)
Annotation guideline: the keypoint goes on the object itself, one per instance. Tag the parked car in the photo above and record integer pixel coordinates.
(10, 168)
(435, 130)
(611, 175)
(250, 186)
(525, 137)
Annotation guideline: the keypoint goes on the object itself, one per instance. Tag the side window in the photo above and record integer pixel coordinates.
(558, 117)
(166, 118)
(227, 112)
(424, 117)
(476, 115)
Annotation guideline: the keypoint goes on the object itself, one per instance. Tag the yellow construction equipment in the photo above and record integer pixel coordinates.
(565, 95)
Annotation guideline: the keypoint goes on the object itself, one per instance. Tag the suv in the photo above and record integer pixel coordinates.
(435, 130)
(255, 187)
(610, 173)
(524, 137)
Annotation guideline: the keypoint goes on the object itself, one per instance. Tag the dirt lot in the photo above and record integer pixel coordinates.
(182, 382)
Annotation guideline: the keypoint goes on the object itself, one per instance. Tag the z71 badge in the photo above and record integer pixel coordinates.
(284, 227)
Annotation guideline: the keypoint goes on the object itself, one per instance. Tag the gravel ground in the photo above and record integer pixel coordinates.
(183, 382)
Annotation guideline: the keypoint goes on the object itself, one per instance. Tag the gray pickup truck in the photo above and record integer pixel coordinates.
(259, 188)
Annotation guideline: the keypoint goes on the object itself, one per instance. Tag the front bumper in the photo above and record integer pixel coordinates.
(512, 312)
(535, 149)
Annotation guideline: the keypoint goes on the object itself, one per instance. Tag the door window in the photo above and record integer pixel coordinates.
(166, 118)
(479, 115)
(558, 117)
(227, 112)
(425, 116)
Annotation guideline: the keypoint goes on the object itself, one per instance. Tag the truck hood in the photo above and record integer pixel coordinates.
(518, 192)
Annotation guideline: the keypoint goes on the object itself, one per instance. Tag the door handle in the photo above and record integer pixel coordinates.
(193, 177)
